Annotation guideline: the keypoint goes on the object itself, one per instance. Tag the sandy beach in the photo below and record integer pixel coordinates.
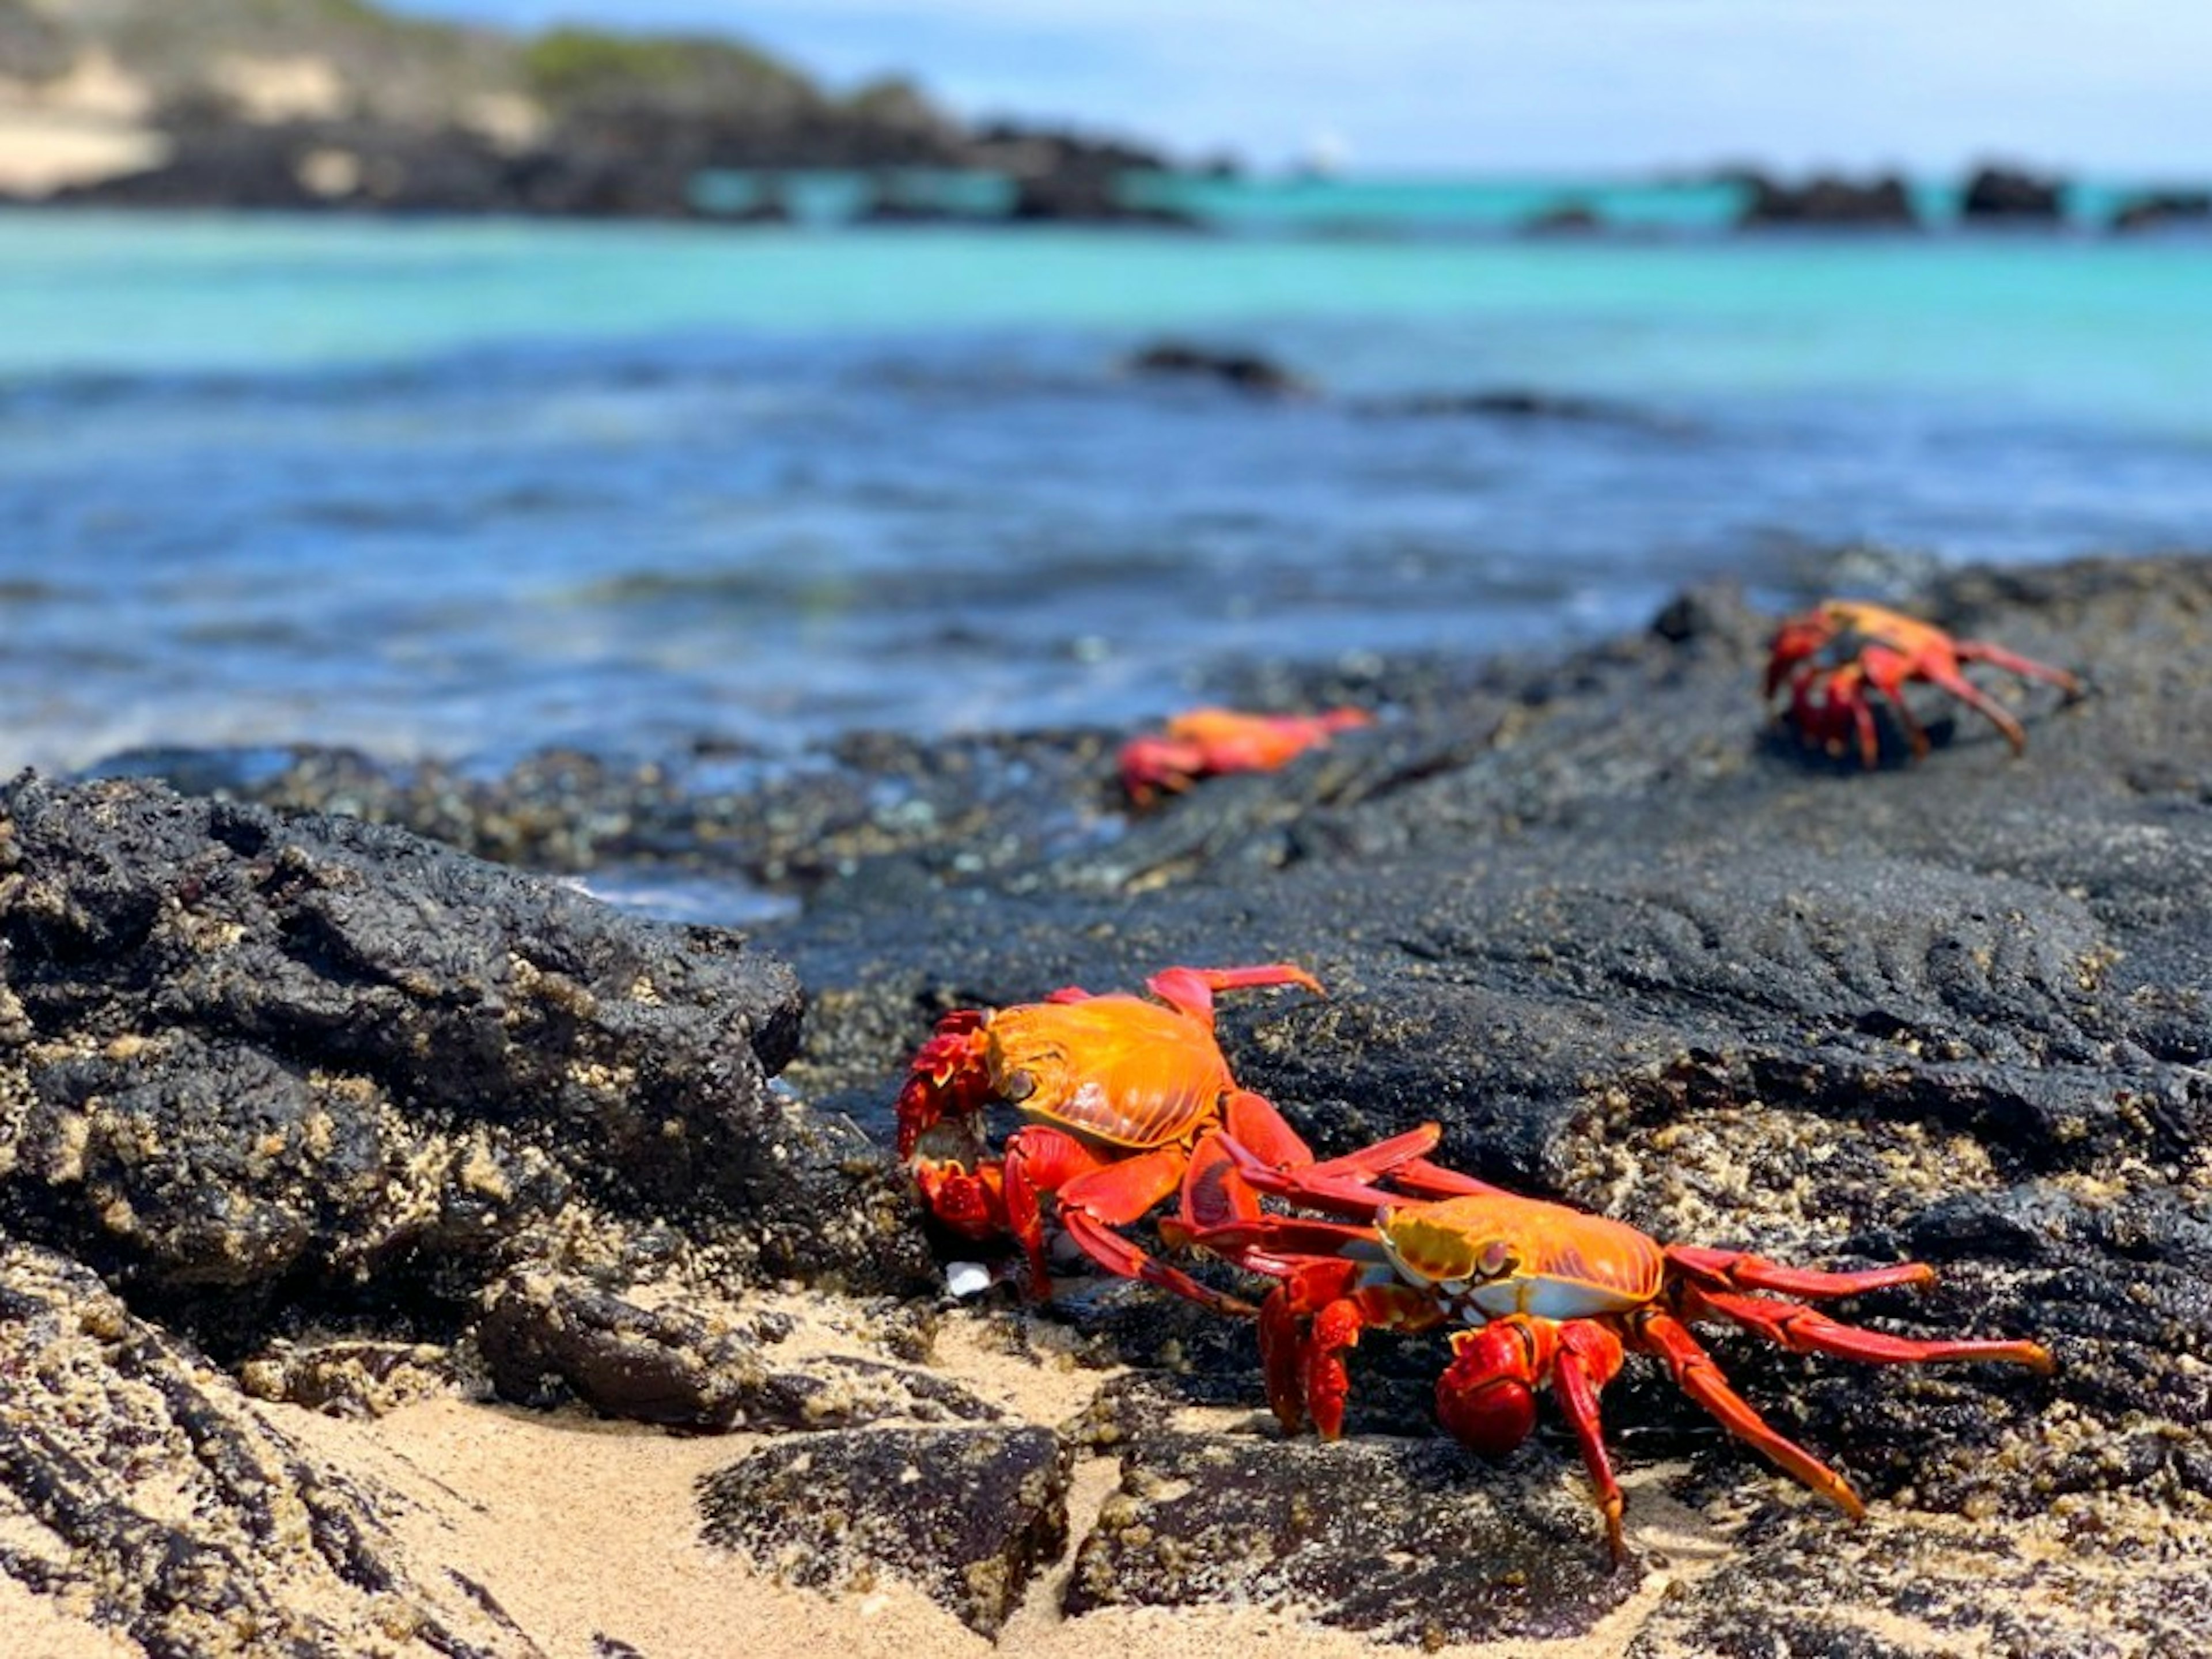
(585, 1533)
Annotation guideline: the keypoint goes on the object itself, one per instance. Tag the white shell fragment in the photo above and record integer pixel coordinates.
(966, 1279)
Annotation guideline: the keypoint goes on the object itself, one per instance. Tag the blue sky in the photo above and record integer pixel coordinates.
(2112, 87)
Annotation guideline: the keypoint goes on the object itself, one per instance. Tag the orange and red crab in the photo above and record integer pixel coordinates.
(1545, 1294)
(1834, 657)
(1117, 1090)
(1202, 742)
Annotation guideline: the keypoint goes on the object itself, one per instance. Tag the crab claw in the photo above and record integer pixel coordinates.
(948, 1078)
(971, 1202)
(1486, 1397)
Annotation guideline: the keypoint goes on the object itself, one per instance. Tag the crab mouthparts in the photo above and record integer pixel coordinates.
(951, 1143)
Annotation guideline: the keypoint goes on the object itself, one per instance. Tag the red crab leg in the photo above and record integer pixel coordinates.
(1657, 1332)
(1276, 1245)
(1258, 1126)
(1805, 1330)
(1214, 1192)
(1305, 1372)
(1191, 989)
(1486, 1396)
(1997, 657)
(1321, 1186)
(1286, 1349)
(1094, 1202)
(1589, 1358)
(1951, 680)
(1847, 691)
(1887, 670)
(1738, 1270)
(1401, 1159)
(1039, 1159)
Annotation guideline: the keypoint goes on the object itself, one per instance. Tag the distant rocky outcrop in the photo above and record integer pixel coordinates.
(1570, 218)
(301, 104)
(2164, 208)
(2007, 193)
(1881, 204)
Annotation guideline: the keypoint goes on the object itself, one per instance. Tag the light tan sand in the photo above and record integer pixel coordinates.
(581, 1528)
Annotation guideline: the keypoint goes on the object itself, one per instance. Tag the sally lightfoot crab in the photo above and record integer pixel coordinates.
(1204, 742)
(1835, 657)
(1546, 1295)
(1117, 1090)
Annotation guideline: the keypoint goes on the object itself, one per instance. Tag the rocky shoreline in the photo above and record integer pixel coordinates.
(307, 1119)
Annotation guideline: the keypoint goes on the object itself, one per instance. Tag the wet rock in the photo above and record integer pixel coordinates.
(544, 1339)
(144, 1491)
(1572, 219)
(1633, 952)
(1411, 1542)
(1515, 403)
(970, 1514)
(1240, 371)
(962, 809)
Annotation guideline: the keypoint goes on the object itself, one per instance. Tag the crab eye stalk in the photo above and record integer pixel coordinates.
(1497, 1261)
(1019, 1086)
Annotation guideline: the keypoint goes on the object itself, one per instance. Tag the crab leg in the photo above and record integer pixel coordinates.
(1191, 989)
(1737, 1270)
(1305, 1369)
(1399, 1158)
(1805, 1330)
(1350, 1192)
(1096, 1201)
(1997, 657)
(1950, 679)
(1659, 1332)
(1486, 1396)
(1214, 1192)
(1915, 733)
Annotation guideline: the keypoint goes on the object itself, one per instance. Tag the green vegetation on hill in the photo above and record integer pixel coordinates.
(571, 69)
(402, 69)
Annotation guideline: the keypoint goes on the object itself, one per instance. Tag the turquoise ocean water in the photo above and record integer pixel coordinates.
(472, 487)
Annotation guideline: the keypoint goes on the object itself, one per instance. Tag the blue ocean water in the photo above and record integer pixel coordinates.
(472, 487)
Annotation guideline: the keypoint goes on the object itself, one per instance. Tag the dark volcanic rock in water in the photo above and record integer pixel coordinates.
(1515, 403)
(2007, 193)
(2164, 209)
(1877, 203)
(1242, 371)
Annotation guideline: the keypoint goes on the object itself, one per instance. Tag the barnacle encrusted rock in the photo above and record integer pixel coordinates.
(254, 1061)
(1401, 1539)
(970, 1514)
(546, 1338)
(139, 1488)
